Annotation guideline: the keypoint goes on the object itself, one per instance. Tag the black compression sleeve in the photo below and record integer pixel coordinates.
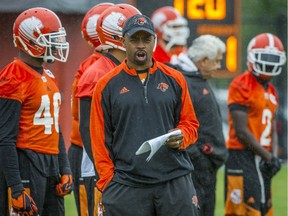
(238, 107)
(84, 125)
(9, 124)
(9, 159)
(64, 166)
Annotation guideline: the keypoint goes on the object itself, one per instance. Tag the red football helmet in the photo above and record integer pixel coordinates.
(89, 24)
(170, 26)
(39, 33)
(265, 55)
(111, 22)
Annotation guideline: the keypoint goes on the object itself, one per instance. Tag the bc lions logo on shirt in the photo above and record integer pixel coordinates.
(163, 86)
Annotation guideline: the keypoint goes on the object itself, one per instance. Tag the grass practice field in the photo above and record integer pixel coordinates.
(279, 191)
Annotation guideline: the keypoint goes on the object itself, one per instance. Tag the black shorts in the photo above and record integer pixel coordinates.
(41, 189)
(246, 193)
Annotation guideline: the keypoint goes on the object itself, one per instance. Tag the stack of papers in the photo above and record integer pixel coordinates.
(154, 145)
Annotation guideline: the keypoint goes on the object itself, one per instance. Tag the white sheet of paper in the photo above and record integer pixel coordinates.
(153, 145)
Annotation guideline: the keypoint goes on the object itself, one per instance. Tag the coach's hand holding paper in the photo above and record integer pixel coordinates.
(153, 145)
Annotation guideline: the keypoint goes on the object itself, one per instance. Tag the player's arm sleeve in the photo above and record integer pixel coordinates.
(84, 125)
(9, 125)
(188, 122)
(64, 166)
(101, 137)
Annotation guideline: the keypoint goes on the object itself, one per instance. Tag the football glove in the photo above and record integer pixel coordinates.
(24, 205)
(269, 169)
(65, 186)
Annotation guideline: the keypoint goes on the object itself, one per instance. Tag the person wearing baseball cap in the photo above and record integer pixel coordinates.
(137, 23)
(139, 100)
(139, 28)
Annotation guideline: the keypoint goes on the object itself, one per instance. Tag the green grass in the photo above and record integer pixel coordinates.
(279, 195)
(70, 206)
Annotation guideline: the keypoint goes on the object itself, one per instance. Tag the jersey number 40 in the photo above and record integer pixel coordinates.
(43, 115)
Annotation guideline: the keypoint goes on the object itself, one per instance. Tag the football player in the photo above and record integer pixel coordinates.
(82, 167)
(109, 29)
(35, 174)
(172, 33)
(252, 141)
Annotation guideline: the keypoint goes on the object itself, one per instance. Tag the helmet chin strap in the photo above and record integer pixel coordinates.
(172, 42)
(169, 45)
(262, 81)
(48, 59)
(155, 43)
